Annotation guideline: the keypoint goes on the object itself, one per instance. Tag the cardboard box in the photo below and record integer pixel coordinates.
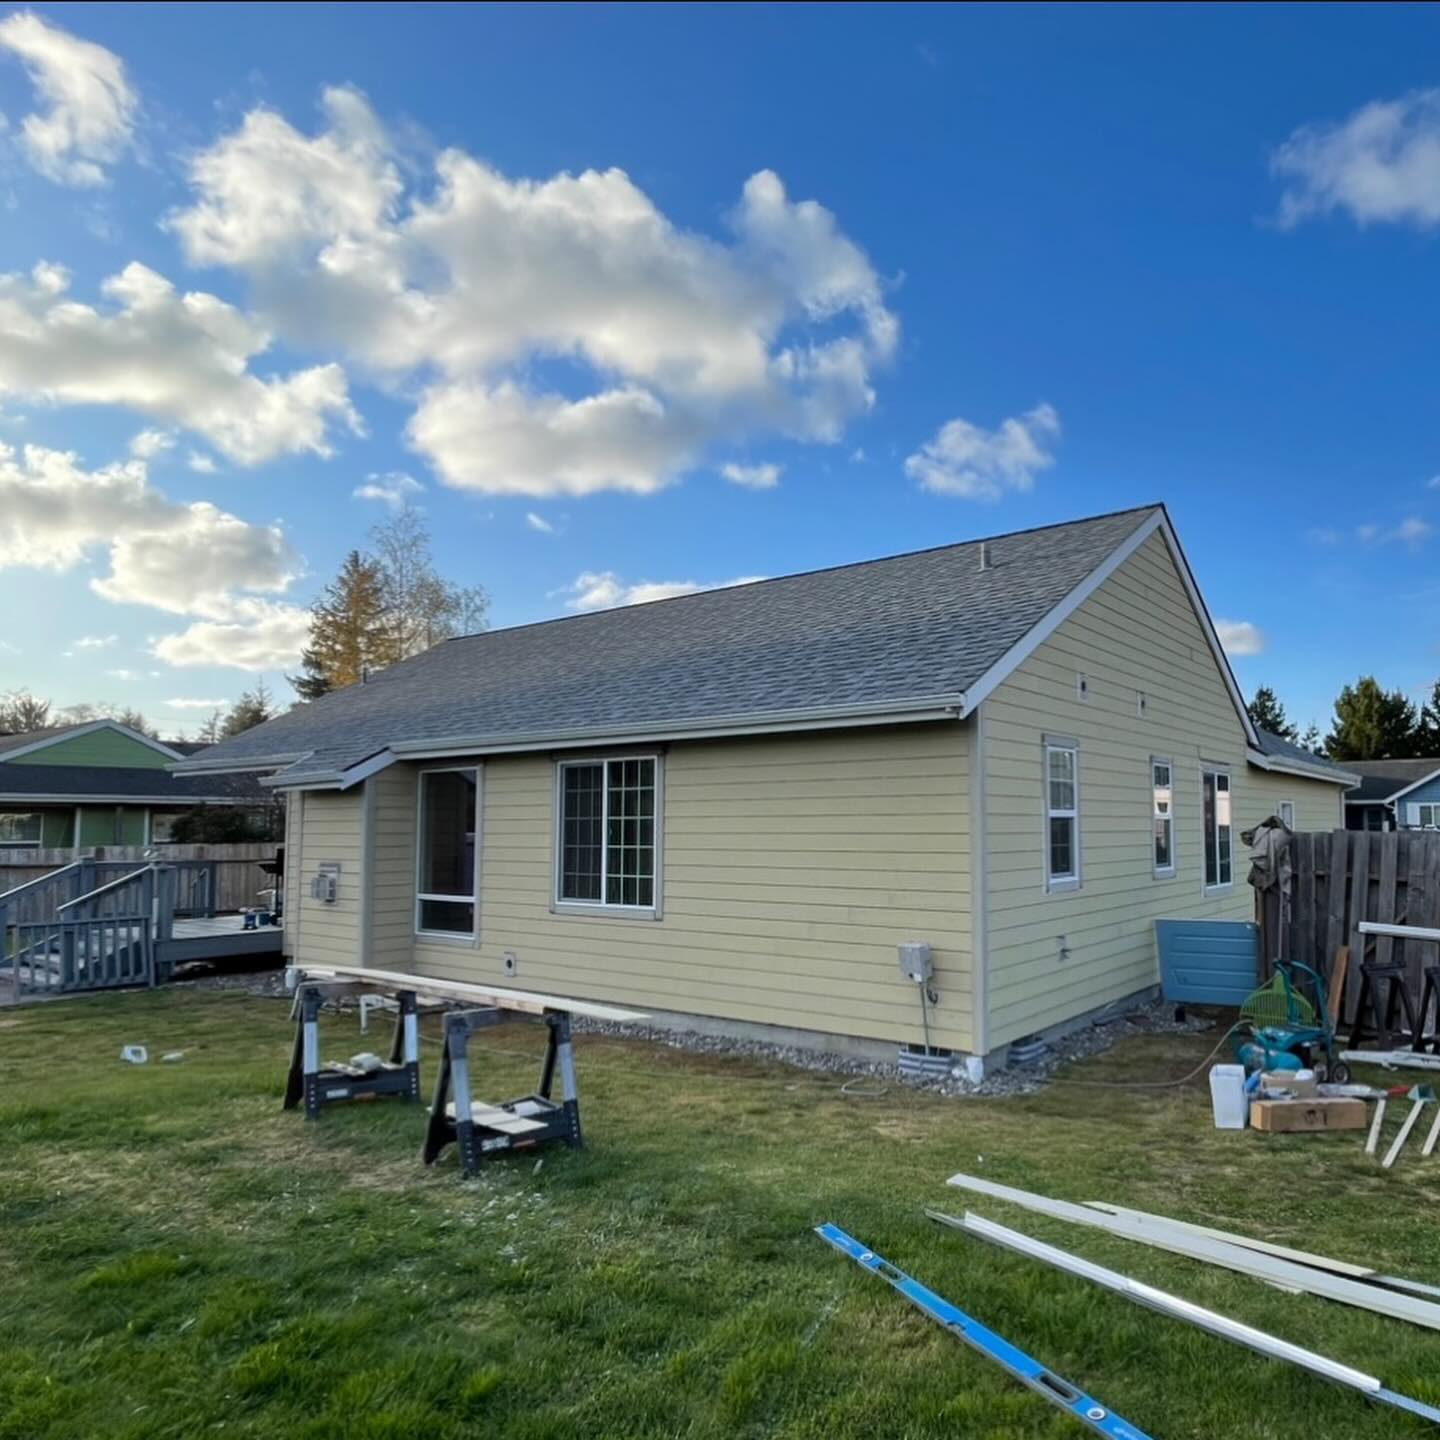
(1293, 1116)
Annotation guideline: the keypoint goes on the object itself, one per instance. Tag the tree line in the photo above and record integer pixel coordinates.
(1370, 723)
(22, 712)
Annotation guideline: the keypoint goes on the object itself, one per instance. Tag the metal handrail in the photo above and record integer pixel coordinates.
(46, 879)
(105, 889)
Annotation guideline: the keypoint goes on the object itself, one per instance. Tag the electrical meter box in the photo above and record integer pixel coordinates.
(915, 962)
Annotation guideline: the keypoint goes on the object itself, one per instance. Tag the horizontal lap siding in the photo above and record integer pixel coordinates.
(1137, 632)
(330, 830)
(393, 867)
(792, 868)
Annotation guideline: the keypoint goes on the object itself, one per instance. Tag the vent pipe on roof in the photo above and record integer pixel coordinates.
(987, 561)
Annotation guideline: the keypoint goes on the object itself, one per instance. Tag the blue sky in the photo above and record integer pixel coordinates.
(907, 275)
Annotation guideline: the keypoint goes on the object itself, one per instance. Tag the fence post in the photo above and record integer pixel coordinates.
(6, 950)
(165, 902)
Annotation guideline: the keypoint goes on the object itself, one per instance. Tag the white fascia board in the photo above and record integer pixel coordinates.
(238, 767)
(939, 708)
(331, 779)
(1039, 633)
(1044, 628)
(1424, 780)
(1285, 765)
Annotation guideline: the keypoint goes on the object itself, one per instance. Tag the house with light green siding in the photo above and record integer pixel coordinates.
(101, 783)
(729, 809)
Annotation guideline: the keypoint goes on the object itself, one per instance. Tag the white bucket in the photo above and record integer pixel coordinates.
(1227, 1096)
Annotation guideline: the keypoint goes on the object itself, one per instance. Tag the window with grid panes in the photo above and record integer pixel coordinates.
(607, 833)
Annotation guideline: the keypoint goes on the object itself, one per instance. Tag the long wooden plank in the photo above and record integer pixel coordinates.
(1254, 1263)
(525, 1002)
(1393, 1153)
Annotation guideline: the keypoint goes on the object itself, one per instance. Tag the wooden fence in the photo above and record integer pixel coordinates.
(236, 867)
(1342, 878)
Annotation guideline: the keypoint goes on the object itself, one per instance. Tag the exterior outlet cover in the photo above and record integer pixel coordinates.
(915, 962)
(511, 961)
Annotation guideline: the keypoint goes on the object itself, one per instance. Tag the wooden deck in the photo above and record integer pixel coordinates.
(217, 938)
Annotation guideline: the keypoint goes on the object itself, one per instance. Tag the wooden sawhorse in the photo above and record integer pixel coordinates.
(480, 1130)
(316, 1087)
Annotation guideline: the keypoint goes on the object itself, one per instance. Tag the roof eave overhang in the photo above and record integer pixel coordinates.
(931, 709)
(1284, 765)
(240, 766)
(87, 798)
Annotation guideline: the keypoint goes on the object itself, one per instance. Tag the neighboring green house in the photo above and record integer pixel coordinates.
(101, 783)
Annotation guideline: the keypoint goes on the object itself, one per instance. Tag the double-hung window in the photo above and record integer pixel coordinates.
(1062, 814)
(1427, 817)
(609, 833)
(20, 827)
(1162, 809)
(1215, 805)
(445, 888)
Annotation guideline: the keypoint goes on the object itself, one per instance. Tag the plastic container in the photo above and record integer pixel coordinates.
(1227, 1096)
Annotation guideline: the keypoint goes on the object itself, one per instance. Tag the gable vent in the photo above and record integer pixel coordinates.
(987, 560)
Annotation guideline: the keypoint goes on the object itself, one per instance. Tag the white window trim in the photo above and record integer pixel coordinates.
(1433, 806)
(1280, 809)
(1215, 767)
(448, 937)
(1059, 884)
(600, 908)
(1162, 872)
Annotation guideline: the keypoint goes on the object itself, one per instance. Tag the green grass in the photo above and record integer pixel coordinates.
(180, 1258)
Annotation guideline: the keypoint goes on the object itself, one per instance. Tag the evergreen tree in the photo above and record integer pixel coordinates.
(350, 630)
(213, 728)
(1269, 714)
(253, 708)
(1312, 740)
(1372, 724)
(1427, 732)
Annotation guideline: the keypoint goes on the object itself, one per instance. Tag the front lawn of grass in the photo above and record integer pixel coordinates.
(180, 1258)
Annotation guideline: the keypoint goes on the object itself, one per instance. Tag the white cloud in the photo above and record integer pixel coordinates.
(89, 108)
(260, 635)
(123, 674)
(604, 590)
(978, 464)
(1380, 165)
(193, 560)
(1239, 637)
(200, 463)
(150, 443)
(1410, 531)
(678, 340)
(1323, 535)
(1433, 483)
(507, 441)
(393, 488)
(186, 702)
(94, 642)
(539, 522)
(753, 477)
(178, 358)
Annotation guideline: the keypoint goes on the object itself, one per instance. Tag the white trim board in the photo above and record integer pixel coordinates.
(1425, 780)
(1257, 1265)
(1160, 1300)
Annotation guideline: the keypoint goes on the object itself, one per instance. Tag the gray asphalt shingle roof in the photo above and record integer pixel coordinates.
(1283, 749)
(1380, 779)
(157, 786)
(916, 626)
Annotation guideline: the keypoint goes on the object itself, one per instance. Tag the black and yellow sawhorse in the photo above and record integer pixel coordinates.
(315, 1086)
(479, 1131)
